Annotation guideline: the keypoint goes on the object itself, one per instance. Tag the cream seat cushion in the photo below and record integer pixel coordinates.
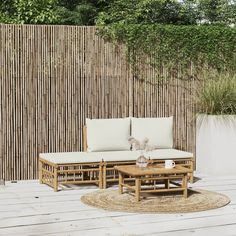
(159, 131)
(120, 156)
(169, 154)
(86, 157)
(70, 157)
(154, 155)
(92, 157)
(108, 134)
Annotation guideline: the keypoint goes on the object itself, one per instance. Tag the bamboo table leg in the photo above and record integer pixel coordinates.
(55, 180)
(137, 189)
(40, 172)
(167, 183)
(104, 176)
(191, 175)
(100, 176)
(185, 185)
(121, 181)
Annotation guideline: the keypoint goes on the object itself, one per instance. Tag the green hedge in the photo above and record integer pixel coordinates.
(211, 46)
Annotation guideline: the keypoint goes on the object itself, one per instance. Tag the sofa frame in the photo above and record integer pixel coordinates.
(100, 173)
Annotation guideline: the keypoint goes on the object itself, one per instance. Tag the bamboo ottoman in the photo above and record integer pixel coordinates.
(70, 168)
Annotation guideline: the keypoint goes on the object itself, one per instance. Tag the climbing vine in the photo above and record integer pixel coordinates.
(213, 47)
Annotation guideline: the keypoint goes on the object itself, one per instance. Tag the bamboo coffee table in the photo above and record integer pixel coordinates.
(152, 179)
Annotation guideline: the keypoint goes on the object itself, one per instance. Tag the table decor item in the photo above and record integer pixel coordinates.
(169, 164)
(142, 161)
(145, 149)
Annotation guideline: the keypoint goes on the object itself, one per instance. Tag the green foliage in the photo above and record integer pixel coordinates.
(80, 12)
(148, 12)
(77, 12)
(72, 12)
(217, 11)
(173, 33)
(183, 12)
(218, 96)
(28, 11)
(170, 45)
(81, 15)
(85, 12)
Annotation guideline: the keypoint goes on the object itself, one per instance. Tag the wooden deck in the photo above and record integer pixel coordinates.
(28, 208)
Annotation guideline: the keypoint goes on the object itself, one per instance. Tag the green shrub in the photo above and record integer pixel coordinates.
(217, 96)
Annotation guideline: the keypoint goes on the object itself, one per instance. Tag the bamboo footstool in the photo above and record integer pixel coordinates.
(55, 172)
(155, 178)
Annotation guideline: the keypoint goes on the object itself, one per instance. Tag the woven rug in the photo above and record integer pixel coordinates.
(198, 200)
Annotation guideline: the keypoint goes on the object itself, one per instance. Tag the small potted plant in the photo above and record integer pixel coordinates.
(216, 126)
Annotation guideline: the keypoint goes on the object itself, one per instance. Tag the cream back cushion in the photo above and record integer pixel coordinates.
(159, 131)
(108, 134)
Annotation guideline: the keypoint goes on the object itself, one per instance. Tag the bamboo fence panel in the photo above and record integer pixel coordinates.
(53, 77)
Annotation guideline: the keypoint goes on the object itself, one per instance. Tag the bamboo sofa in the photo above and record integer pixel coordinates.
(105, 144)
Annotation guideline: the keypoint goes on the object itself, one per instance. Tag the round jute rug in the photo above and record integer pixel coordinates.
(198, 200)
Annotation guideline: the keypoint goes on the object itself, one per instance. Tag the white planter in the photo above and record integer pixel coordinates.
(216, 144)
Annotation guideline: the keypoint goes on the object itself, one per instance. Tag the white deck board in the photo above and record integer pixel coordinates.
(28, 208)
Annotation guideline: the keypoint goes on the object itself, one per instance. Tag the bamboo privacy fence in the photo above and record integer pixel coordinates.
(53, 77)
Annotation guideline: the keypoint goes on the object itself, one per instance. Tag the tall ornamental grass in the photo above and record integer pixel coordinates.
(217, 96)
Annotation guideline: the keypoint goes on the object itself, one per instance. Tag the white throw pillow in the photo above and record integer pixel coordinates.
(108, 134)
(159, 131)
